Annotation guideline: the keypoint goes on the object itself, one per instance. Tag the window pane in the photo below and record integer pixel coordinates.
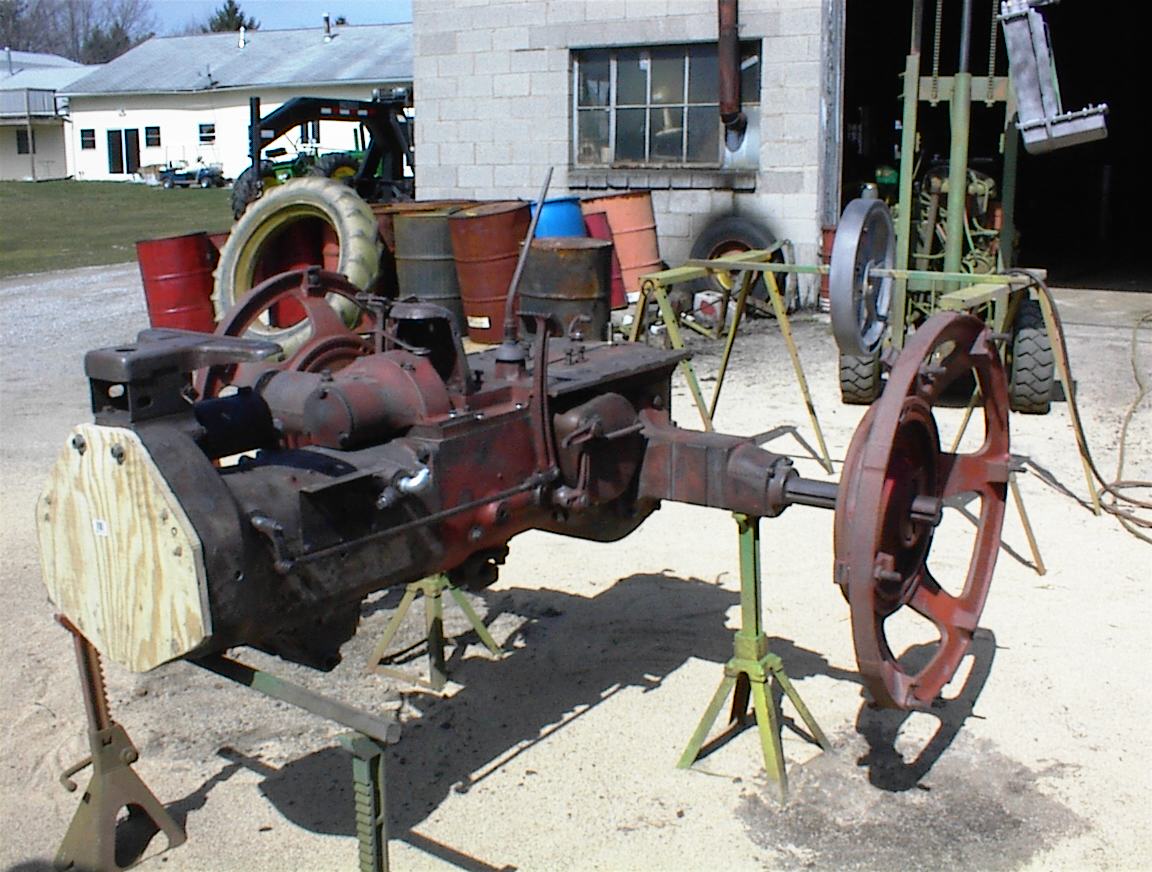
(750, 74)
(595, 82)
(704, 134)
(703, 74)
(668, 133)
(631, 78)
(152, 137)
(667, 75)
(88, 137)
(592, 133)
(631, 131)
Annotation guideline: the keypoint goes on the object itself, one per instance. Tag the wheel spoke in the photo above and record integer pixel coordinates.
(940, 607)
(970, 473)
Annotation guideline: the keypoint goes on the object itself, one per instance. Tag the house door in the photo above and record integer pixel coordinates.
(123, 151)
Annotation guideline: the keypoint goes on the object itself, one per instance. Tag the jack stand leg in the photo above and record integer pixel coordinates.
(1014, 488)
(433, 589)
(751, 671)
(368, 786)
(90, 843)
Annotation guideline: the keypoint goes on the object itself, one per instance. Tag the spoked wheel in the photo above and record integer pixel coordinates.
(896, 478)
(330, 344)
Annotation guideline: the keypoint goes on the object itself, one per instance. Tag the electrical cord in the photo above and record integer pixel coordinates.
(1122, 506)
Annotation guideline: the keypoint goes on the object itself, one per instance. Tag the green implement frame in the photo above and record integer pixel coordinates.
(655, 286)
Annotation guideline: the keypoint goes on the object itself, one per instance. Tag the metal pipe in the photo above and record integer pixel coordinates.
(907, 165)
(961, 111)
(823, 494)
(728, 58)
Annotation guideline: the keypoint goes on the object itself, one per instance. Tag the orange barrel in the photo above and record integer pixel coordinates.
(599, 228)
(633, 226)
(177, 276)
(486, 244)
(567, 278)
(425, 267)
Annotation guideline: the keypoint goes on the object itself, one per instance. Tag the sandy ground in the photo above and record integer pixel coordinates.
(562, 754)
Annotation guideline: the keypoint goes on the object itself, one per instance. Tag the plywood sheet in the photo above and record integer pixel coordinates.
(119, 556)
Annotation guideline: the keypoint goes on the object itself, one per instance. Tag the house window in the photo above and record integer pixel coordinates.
(310, 133)
(87, 138)
(151, 137)
(207, 134)
(655, 107)
(24, 145)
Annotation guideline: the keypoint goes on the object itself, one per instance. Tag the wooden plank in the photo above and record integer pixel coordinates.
(119, 556)
(973, 295)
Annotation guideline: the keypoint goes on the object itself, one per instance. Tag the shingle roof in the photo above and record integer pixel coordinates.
(24, 60)
(377, 54)
(44, 78)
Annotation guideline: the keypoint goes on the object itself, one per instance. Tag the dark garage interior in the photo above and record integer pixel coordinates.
(1079, 210)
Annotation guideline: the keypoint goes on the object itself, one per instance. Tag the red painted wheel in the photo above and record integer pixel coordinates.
(330, 344)
(895, 459)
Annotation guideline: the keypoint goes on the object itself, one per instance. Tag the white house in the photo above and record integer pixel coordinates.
(33, 120)
(186, 98)
(619, 95)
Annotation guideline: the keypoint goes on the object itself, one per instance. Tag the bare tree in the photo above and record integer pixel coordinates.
(90, 31)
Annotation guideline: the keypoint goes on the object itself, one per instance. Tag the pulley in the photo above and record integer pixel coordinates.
(859, 299)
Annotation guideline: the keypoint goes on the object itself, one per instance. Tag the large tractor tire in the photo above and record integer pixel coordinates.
(339, 166)
(729, 235)
(1030, 370)
(860, 379)
(302, 209)
(247, 187)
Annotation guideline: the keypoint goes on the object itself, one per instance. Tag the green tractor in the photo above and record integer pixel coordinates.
(380, 172)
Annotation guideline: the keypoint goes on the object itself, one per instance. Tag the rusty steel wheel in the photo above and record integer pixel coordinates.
(330, 343)
(895, 459)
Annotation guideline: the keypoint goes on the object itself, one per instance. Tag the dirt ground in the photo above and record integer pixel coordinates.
(561, 755)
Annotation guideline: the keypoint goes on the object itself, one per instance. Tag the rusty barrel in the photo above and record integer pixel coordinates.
(567, 278)
(177, 276)
(633, 226)
(599, 228)
(425, 266)
(385, 220)
(486, 244)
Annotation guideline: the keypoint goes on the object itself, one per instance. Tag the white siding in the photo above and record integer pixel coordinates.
(50, 157)
(493, 92)
(179, 117)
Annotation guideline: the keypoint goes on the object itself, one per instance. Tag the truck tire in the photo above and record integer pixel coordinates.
(1030, 374)
(336, 166)
(860, 381)
(255, 236)
(730, 235)
(245, 189)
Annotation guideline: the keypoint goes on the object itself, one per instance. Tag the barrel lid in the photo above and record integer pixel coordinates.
(495, 208)
(565, 243)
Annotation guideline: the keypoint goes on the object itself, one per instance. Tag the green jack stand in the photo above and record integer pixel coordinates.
(90, 842)
(750, 671)
(368, 796)
(433, 589)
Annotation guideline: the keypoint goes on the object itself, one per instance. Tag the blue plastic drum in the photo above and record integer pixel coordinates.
(560, 217)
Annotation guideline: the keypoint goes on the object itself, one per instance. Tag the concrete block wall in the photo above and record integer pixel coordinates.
(492, 86)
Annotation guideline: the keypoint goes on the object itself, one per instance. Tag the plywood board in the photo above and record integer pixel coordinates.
(119, 556)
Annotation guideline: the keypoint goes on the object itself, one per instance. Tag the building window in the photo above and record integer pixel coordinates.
(653, 107)
(151, 137)
(23, 142)
(87, 138)
(310, 133)
(207, 134)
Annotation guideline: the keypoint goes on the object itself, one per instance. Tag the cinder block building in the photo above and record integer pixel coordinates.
(624, 95)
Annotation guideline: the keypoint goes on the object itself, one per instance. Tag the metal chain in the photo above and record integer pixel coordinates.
(992, 41)
(936, 52)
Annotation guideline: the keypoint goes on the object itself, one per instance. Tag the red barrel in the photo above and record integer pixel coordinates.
(486, 245)
(599, 228)
(177, 275)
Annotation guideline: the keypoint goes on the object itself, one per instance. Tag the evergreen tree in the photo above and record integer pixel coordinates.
(229, 17)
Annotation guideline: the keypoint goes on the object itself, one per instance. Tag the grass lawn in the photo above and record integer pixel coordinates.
(57, 225)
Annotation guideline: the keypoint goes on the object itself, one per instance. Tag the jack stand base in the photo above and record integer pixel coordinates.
(749, 673)
(368, 789)
(90, 843)
(433, 589)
